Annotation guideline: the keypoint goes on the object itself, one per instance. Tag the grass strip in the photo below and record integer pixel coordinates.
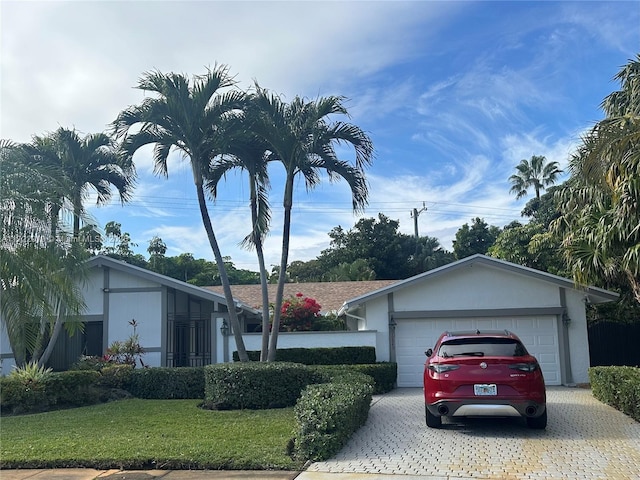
(162, 434)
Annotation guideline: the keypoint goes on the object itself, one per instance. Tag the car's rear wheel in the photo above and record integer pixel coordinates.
(538, 423)
(433, 421)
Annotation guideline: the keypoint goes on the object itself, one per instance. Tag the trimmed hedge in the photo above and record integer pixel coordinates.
(167, 383)
(115, 376)
(328, 414)
(59, 389)
(230, 386)
(618, 387)
(320, 356)
(384, 374)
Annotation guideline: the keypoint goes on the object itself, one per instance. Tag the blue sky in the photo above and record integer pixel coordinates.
(453, 94)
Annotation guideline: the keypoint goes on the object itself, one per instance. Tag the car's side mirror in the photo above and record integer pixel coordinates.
(428, 353)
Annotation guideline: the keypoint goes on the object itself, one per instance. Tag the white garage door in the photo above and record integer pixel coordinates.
(413, 337)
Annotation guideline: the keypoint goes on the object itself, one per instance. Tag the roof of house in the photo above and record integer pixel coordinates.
(200, 292)
(594, 294)
(330, 295)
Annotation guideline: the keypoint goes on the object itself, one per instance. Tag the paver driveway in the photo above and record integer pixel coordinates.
(584, 439)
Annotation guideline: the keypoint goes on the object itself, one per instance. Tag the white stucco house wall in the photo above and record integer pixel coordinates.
(178, 324)
(546, 311)
(184, 325)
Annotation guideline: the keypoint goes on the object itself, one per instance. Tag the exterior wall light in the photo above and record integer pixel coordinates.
(224, 328)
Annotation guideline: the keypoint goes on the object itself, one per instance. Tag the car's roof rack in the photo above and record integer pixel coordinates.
(477, 331)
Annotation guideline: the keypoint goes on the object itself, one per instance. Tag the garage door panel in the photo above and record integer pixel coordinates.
(483, 324)
(462, 325)
(413, 337)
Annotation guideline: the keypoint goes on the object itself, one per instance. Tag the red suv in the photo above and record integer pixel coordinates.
(483, 373)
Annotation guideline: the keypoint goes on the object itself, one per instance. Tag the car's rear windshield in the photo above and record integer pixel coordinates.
(482, 347)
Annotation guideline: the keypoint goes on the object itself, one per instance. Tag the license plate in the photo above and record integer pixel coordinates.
(485, 389)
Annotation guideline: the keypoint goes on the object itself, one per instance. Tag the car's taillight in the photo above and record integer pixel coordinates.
(525, 367)
(443, 367)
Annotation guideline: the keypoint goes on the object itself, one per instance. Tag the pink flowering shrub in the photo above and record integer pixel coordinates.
(299, 313)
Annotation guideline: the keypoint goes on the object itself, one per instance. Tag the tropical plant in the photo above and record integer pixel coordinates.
(303, 137)
(600, 203)
(186, 115)
(536, 173)
(40, 275)
(246, 151)
(30, 372)
(93, 163)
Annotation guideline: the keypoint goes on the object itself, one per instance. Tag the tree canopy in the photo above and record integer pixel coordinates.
(600, 204)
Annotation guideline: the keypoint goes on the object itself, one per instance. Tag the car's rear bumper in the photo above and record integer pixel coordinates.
(492, 407)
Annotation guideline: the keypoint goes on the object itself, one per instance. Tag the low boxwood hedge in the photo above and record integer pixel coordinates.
(384, 374)
(618, 387)
(328, 414)
(320, 356)
(167, 382)
(255, 385)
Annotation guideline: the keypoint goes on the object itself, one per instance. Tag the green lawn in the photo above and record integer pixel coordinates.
(139, 433)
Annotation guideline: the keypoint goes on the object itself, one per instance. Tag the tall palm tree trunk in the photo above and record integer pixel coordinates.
(224, 278)
(286, 233)
(257, 241)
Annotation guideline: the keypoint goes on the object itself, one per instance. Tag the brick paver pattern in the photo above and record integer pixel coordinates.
(585, 439)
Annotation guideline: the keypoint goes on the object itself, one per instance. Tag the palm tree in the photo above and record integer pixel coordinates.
(246, 151)
(93, 163)
(39, 291)
(185, 116)
(600, 203)
(303, 138)
(537, 173)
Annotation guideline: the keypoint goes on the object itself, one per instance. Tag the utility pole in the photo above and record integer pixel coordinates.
(415, 215)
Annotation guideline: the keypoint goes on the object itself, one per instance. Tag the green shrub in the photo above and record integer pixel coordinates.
(321, 356)
(115, 376)
(618, 387)
(17, 396)
(87, 362)
(328, 414)
(61, 389)
(384, 374)
(255, 385)
(72, 388)
(167, 382)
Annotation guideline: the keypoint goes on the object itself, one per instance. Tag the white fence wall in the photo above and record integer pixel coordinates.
(253, 341)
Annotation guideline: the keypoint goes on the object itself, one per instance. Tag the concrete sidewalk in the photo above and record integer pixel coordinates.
(91, 474)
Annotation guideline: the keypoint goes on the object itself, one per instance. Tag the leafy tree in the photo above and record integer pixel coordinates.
(91, 239)
(39, 287)
(372, 249)
(120, 242)
(474, 239)
(537, 173)
(600, 203)
(358, 270)
(311, 271)
(157, 248)
(302, 135)
(377, 241)
(185, 115)
(533, 244)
